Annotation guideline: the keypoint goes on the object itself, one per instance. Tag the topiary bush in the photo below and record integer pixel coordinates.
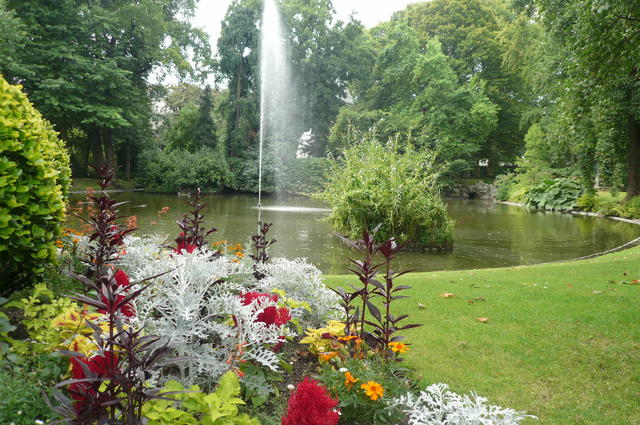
(379, 185)
(34, 179)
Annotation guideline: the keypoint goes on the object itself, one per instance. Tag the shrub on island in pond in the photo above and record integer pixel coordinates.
(378, 184)
(34, 177)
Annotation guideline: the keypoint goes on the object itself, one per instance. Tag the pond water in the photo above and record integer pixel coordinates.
(486, 234)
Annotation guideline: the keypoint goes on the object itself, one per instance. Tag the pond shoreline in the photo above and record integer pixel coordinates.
(575, 212)
(632, 243)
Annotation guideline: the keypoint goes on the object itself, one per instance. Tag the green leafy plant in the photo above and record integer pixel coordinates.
(5, 328)
(504, 184)
(39, 309)
(34, 177)
(345, 381)
(21, 386)
(379, 184)
(178, 170)
(556, 195)
(631, 208)
(378, 332)
(198, 408)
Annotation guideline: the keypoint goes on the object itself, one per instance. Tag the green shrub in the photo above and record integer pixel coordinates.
(609, 207)
(356, 408)
(302, 176)
(378, 185)
(556, 195)
(178, 170)
(34, 178)
(587, 202)
(245, 172)
(22, 385)
(504, 183)
(196, 407)
(306, 176)
(631, 208)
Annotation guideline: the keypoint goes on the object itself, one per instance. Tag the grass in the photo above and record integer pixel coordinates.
(562, 340)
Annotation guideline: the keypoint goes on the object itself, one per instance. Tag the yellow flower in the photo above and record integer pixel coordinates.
(239, 254)
(328, 356)
(399, 347)
(349, 380)
(373, 390)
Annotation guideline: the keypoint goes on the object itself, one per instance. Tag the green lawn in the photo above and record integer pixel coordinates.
(562, 340)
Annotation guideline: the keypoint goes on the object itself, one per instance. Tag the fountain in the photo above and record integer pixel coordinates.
(280, 131)
(277, 97)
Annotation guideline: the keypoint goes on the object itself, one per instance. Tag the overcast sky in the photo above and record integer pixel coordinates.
(369, 12)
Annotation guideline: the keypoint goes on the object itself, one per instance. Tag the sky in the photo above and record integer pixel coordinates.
(370, 12)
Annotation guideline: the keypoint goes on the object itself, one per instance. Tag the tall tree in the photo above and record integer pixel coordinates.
(86, 63)
(205, 129)
(599, 60)
(328, 55)
(468, 31)
(237, 64)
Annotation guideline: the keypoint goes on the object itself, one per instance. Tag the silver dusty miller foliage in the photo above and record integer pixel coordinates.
(436, 405)
(196, 304)
(301, 281)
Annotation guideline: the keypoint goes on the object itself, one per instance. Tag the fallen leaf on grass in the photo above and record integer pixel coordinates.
(421, 306)
(482, 319)
(447, 295)
(598, 292)
(634, 282)
(569, 285)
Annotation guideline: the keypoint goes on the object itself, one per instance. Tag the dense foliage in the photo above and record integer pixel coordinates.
(379, 185)
(35, 175)
(180, 170)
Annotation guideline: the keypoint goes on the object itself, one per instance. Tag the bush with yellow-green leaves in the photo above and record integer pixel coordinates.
(34, 178)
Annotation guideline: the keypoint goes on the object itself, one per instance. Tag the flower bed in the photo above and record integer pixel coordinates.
(253, 339)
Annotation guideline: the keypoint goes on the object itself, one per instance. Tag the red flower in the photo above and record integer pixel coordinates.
(183, 246)
(271, 315)
(249, 297)
(126, 309)
(275, 316)
(122, 279)
(311, 404)
(101, 366)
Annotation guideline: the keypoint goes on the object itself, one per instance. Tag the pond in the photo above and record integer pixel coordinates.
(486, 234)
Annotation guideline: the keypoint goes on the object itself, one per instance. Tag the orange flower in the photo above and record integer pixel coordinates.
(373, 390)
(347, 338)
(235, 260)
(239, 254)
(349, 380)
(328, 356)
(399, 347)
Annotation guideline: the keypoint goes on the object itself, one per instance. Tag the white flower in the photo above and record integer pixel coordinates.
(343, 370)
(39, 422)
(291, 387)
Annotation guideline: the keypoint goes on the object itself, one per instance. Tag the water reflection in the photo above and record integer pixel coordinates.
(486, 234)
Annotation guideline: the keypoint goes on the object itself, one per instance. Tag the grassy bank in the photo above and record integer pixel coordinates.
(562, 341)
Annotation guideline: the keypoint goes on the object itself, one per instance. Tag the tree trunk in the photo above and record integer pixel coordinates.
(110, 158)
(127, 166)
(96, 146)
(633, 179)
(84, 164)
